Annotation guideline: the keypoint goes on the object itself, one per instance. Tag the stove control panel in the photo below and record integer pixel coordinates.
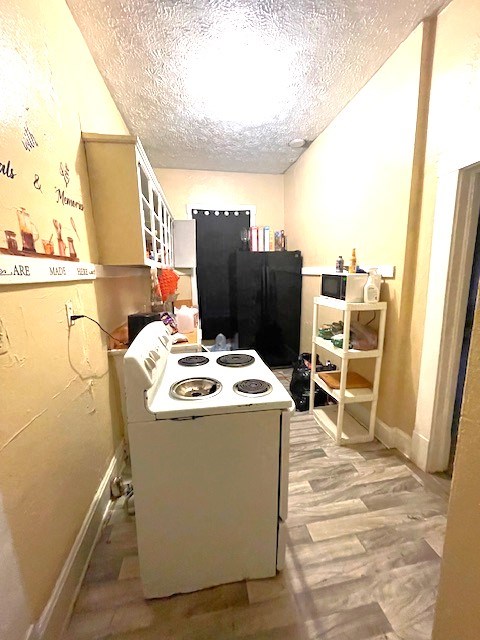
(149, 363)
(144, 363)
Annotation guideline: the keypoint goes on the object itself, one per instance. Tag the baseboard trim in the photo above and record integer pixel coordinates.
(57, 612)
(391, 437)
(420, 446)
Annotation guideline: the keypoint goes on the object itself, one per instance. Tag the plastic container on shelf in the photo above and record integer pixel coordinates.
(371, 290)
(186, 319)
(220, 343)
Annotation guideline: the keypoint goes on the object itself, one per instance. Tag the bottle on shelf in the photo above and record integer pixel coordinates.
(353, 262)
(371, 290)
(339, 264)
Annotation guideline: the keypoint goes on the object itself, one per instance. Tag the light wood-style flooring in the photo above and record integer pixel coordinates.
(366, 532)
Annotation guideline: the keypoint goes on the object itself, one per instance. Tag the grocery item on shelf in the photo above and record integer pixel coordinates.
(354, 380)
(353, 262)
(363, 337)
(327, 331)
(337, 341)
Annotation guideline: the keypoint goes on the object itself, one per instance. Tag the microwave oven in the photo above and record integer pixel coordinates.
(344, 286)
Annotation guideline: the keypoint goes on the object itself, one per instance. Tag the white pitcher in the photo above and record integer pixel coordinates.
(186, 318)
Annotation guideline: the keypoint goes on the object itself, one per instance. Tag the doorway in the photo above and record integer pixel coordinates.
(219, 237)
(451, 264)
(467, 334)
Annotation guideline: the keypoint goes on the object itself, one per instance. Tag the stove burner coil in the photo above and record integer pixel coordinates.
(195, 388)
(235, 360)
(193, 361)
(252, 387)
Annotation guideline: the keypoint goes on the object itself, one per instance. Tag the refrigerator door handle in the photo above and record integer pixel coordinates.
(269, 292)
(264, 292)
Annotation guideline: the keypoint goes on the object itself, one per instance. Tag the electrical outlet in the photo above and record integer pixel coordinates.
(69, 310)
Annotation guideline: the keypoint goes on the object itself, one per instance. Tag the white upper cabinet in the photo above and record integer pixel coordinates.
(133, 222)
(185, 244)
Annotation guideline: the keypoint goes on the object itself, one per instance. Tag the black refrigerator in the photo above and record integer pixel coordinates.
(268, 304)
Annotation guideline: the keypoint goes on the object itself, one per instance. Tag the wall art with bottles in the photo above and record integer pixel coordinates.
(43, 179)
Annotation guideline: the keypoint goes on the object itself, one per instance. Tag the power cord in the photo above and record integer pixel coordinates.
(371, 319)
(97, 323)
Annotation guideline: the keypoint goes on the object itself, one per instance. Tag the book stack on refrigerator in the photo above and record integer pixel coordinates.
(265, 239)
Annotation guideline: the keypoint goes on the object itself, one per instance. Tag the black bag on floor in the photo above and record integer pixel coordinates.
(300, 382)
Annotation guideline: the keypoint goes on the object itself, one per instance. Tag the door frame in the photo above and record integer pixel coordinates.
(453, 241)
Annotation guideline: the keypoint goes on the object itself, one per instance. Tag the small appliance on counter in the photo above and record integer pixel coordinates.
(344, 286)
(136, 322)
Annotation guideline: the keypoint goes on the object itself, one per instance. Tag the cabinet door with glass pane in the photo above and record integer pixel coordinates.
(132, 219)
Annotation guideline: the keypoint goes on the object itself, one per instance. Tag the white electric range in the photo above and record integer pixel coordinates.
(209, 444)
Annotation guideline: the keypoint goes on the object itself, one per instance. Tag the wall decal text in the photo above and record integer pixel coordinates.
(26, 270)
(16, 270)
(65, 200)
(58, 271)
(65, 173)
(36, 182)
(28, 139)
(7, 170)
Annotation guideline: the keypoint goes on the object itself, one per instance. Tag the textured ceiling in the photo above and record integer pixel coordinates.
(226, 84)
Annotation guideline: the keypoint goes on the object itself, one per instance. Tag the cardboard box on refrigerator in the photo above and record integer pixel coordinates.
(253, 238)
(266, 238)
(261, 239)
